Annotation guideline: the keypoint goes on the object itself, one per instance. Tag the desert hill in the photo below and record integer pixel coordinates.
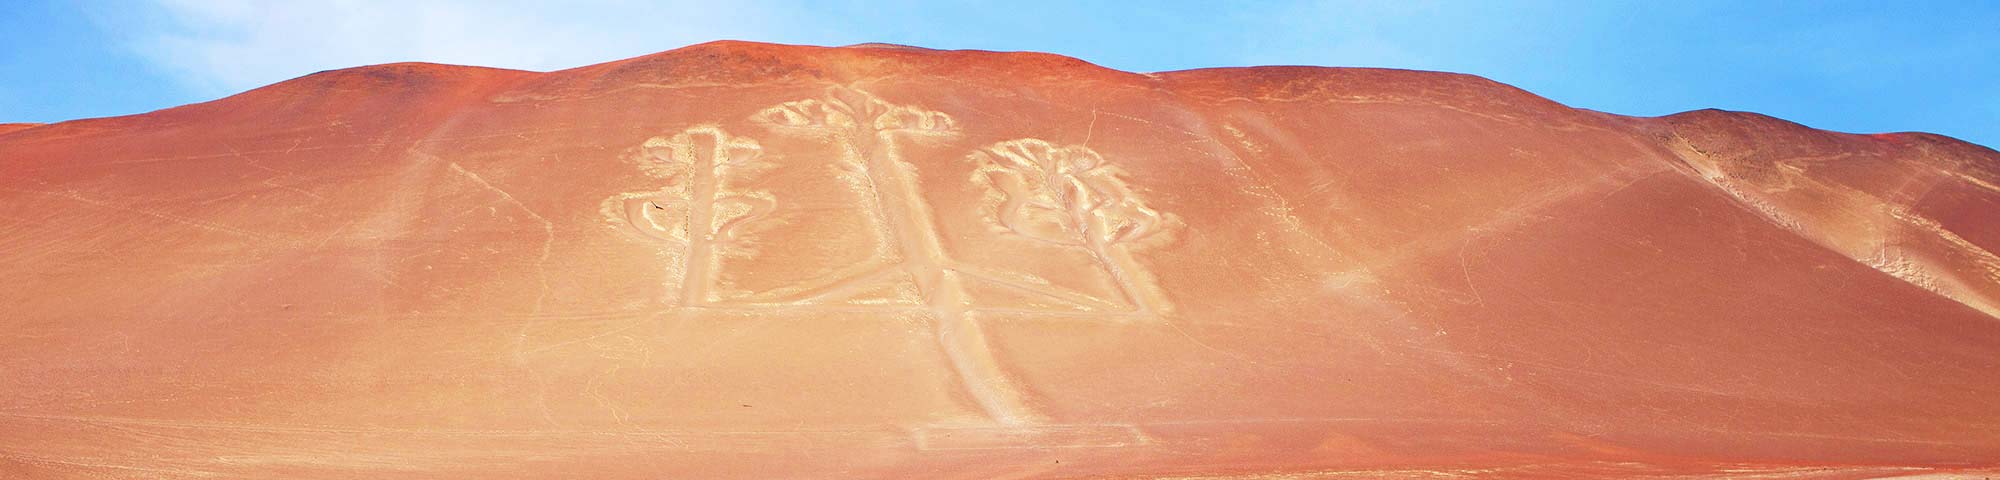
(741, 260)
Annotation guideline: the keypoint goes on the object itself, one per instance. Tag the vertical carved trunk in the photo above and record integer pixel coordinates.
(959, 334)
(703, 149)
(869, 129)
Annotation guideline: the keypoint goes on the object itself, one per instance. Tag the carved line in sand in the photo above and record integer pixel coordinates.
(1068, 197)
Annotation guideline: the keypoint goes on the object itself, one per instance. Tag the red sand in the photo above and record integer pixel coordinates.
(755, 261)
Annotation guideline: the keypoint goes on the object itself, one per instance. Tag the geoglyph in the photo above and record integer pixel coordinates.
(1069, 197)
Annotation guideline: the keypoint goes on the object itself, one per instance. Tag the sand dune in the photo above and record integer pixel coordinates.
(740, 260)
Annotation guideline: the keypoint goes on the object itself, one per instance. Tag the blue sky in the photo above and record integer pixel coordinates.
(1848, 66)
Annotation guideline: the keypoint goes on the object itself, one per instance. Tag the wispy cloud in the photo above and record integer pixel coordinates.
(224, 46)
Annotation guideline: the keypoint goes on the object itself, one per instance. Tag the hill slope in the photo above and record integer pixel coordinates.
(740, 260)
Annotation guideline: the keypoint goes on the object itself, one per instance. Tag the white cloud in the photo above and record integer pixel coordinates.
(226, 46)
